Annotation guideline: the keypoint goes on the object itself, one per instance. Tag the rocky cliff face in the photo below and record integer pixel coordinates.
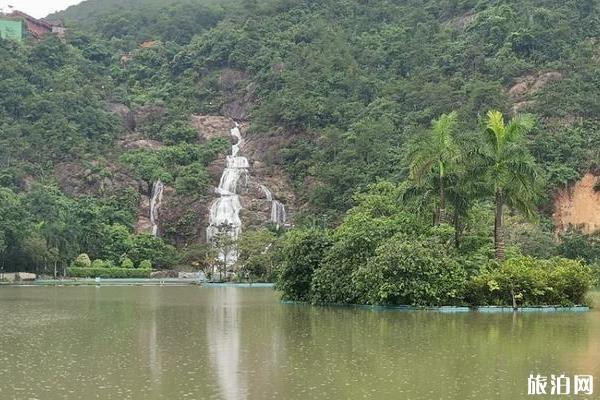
(184, 218)
(528, 85)
(256, 210)
(578, 206)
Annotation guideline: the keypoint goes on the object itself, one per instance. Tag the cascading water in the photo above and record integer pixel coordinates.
(155, 202)
(267, 192)
(278, 215)
(225, 211)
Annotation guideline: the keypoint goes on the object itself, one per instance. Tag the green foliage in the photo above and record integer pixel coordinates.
(576, 245)
(364, 74)
(378, 216)
(168, 127)
(98, 263)
(145, 264)
(199, 256)
(529, 281)
(127, 263)
(147, 247)
(508, 169)
(533, 239)
(49, 102)
(407, 270)
(340, 87)
(82, 261)
(131, 21)
(301, 253)
(183, 164)
(258, 254)
(108, 272)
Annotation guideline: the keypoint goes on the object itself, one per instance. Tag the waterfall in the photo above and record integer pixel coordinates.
(155, 202)
(225, 211)
(267, 192)
(278, 215)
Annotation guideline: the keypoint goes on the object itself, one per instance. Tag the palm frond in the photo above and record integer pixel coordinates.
(519, 126)
(495, 128)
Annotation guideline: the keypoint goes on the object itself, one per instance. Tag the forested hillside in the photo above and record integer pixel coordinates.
(346, 89)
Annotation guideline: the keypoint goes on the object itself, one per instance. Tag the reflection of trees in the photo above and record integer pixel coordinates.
(355, 352)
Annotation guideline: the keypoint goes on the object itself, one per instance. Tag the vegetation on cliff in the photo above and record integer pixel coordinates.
(351, 87)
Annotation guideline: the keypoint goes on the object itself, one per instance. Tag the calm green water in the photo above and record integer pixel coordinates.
(236, 343)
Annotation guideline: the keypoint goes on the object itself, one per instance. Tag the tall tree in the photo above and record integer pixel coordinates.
(508, 169)
(438, 155)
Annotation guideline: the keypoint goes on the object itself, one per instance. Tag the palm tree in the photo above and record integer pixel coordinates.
(508, 169)
(437, 155)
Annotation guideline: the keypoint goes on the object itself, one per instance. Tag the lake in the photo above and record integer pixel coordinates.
(243, 343)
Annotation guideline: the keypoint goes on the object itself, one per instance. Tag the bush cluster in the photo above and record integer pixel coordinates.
(82, 267)
(382, 255)
(527, 281)
(416, 271)
(111, 272)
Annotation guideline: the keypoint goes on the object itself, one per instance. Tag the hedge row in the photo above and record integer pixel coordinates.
(527, 281)
(77, 272)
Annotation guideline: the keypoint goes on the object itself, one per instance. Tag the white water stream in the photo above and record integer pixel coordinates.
(155, 202)
(225, 211)
(278, 214)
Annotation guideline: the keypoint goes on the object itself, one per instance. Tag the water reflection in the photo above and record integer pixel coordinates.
(227, 343)
(223, 331)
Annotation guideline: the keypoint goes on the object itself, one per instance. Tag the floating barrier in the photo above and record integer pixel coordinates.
(459, 309)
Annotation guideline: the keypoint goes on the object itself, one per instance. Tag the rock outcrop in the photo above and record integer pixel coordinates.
(124, 114)
(261, 152)
(94, 178)
(212, 126)
(141, 144)
(578, 207)
(528, 85)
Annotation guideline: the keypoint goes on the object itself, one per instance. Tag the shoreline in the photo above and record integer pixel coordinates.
(135, 282)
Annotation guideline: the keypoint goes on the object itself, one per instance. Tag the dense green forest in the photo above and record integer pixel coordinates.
(361, 78)
(356, 89)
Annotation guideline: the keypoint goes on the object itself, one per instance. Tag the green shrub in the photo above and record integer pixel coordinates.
(301, 254)
(527, 281)
(376, 218)
(419, 271)
(571, 279)
(577, 245)
(145, 264)
(82, 261)
(75, 272)
(127, 263)
(98, 263)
